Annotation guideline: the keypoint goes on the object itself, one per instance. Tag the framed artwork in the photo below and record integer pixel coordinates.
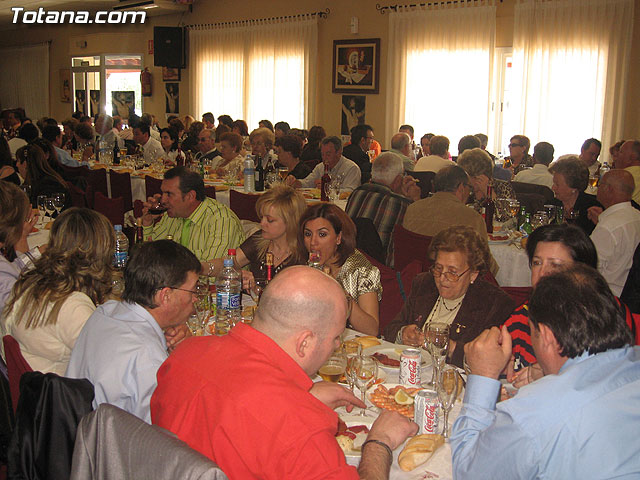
(94, 101)
(172, 96)
(81, 100)
(65, 85)
(122, 103)
(170, 74)
(356, 66)
(353, 111)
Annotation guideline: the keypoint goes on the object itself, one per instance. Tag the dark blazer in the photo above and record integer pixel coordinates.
(359, 156)
(583, 202)
(484, 306)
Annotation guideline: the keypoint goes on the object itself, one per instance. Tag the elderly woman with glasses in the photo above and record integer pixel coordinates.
(452, 292)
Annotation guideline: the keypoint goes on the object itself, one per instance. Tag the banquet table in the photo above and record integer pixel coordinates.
(514, 264)
(439, 465)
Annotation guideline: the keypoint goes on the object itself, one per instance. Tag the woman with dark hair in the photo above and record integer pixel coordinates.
(550, 248)
(266, 124)
(241, 128)
(36, 171)
(328, 232)
(310, 155)
(169, 142)
(519, 157)
(50, 154)
(570, 179)
(7, 172)
(190, 143)
(288, 148)
(452, 292)
(50, 304)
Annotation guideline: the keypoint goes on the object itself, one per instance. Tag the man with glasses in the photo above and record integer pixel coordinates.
(207, 145)
(122, 344)
(361, 138)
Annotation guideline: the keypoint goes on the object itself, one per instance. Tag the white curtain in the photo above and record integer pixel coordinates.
(439, 72)
(24, 79)
(570, 60)
(255, 70)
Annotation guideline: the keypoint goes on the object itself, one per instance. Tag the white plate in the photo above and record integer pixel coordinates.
(353, 420)
(395, 352)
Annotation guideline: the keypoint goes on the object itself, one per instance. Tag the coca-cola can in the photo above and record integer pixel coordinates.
(410, 367)
(425, 411)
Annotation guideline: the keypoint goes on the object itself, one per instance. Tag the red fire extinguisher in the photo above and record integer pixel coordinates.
(145, 80)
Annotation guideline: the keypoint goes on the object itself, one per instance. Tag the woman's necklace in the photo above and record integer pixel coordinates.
(283, 254)
(444, 304)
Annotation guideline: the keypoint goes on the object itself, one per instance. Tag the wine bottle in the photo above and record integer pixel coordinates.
(259, 174)
(489, 209)
(324, 182)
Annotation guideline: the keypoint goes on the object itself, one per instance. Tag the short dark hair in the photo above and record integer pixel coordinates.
(340, 222)
(266, 124)
(579, 308)
(574, 171)
(448, 179)
(226, 120)
(468, 142)
(144, 127)
(578, 243)
(316, 134)
(189, 180)
(407, 127)
(51, 132)
(291, 144)
(173, 134)
(359, 132)
(284, 126)
(208, 117)
(590, 141)
(84, 131)
(543, 153)
(28, 132)
(155, 265)
(242, 126)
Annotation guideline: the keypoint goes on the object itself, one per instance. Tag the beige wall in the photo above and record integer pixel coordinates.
(372, 24)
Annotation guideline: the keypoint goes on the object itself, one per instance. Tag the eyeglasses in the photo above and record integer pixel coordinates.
(511, 145)
(192, 292)
(450, 276)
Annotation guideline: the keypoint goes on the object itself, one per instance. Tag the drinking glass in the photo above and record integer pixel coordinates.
(334, 368)
(550, 210)
(352, 350)
(365, 374)
(203, 303)
(447, 389)
(437, 344)
(194, 324)
(41, 208)
(58, 201)
(258, 288)
(539, 219)
(282, 173)
(49, 206)
(514, 208)
(502, 209)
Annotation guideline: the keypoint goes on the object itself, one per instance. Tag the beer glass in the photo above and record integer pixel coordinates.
(334, 368)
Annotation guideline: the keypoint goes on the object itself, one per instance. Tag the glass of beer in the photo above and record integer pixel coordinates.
(593, 181)
(283, 172)
(334, 368)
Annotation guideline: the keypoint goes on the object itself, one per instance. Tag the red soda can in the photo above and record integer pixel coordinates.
(425, 411)
(410, 367)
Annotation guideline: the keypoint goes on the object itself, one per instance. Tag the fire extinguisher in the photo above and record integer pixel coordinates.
(145, 80)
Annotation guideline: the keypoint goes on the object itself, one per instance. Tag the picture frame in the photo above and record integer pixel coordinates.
(356, 66)
(170, 74)
(65, 85)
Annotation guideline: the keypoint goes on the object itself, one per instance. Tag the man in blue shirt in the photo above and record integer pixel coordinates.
(123, 344)
(54, 135)
(581, 419)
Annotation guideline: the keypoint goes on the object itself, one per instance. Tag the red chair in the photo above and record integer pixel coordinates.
(396, 287)
(121, 187)
(78, 196)
(97, 180)
(244, 205)
(210, 191)
(152, 186)
(409, 246)
(112, 208)
(16, 366)
(73, 172)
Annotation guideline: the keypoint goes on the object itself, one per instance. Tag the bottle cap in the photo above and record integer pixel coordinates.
(231, 251)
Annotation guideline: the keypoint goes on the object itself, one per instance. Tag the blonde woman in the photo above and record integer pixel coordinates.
(279, 210)
(50, 304)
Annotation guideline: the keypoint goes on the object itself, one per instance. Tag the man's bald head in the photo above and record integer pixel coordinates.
(616, 186)
(402, 142)
(300, 298)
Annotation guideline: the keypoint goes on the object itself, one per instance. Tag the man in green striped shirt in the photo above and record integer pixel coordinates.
(203, 225)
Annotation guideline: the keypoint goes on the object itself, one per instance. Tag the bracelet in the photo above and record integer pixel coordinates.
(382, 444)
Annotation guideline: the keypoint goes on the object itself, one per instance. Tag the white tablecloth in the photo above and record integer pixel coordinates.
(514, 265)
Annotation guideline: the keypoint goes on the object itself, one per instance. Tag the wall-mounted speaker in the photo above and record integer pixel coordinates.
(169, 47)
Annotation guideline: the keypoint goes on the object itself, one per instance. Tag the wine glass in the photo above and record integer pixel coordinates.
(334, 367)
(282, 173)
(41, 208)
(447, 389)
(58, 201)
(514, 208)
(365, 373)
(352, 350)
(49, 206)
(437, 344)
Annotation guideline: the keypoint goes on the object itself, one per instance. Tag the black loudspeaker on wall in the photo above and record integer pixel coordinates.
(169, 47)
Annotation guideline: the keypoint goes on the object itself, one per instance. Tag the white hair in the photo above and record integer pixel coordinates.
(386, 167)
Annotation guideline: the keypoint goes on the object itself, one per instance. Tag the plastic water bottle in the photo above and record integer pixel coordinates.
(228, 286)
(249, 175)
(121, 254)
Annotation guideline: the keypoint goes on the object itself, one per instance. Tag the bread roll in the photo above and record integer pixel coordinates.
(368, 341)
(418, 450)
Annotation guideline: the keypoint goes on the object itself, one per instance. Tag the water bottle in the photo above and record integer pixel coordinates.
(121, 254)
(228, 286)
(249, 175)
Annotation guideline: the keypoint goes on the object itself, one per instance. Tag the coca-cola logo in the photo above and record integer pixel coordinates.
(430, 416)
(413, 371)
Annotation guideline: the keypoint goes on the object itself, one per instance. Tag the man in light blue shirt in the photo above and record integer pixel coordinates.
(581, 419)
(122, 345)
(54, 135)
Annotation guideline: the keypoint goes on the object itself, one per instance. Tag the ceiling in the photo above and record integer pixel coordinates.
(163, 7)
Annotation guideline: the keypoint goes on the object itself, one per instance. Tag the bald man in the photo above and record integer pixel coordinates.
(247, 402)
(617, 231)
(401, 145)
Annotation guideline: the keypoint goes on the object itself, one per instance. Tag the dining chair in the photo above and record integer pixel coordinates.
(72, 172)
(425, 182)
(409, 246)
(97, 179)
(112, 444)
(112, 208)
(121, 187)
(152, 186)
(210, 191)
(78, 196)
(244, 205)
(518, 294)
(16, 366)
(546, 192)
(533, 202)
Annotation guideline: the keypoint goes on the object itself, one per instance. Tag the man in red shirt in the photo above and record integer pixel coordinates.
(246, 401)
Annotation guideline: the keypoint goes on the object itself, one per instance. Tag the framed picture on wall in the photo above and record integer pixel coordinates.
(123, 102)
(65, 85)
(170, 74)
(172, 97)
(356, 66)
(353, 112)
